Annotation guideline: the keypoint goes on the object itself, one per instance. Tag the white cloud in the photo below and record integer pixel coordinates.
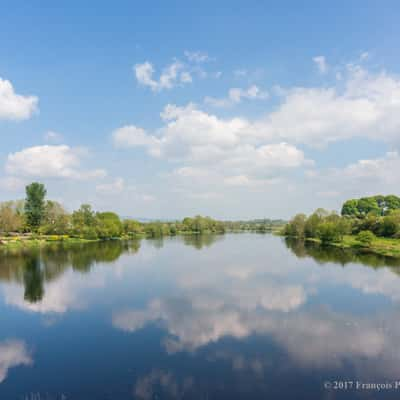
(321, 63)
(114, 188)
(48, 161)
(53, 137)
(197, 56)
(236, 95)
(13, 353)
(385, 169)
(173, 75)
(368, 107)
(233, 152)
(245, 181)
(14, 106)
(201, 141)
(132, 136)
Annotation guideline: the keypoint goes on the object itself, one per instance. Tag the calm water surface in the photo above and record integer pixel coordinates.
(241, 316)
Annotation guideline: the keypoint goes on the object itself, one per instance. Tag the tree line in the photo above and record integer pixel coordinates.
(367, 217)
(36, 215)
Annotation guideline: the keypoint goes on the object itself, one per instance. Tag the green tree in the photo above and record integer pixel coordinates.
(35, 205)
(350, 208)
(11, 219)
(390, 226)
(84, 222)
(296, 227)
(132, 227)
(329, 232)
(108, 225)
(365, 238)
(56, 220)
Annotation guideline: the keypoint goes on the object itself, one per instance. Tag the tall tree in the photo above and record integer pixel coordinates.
(34, 204)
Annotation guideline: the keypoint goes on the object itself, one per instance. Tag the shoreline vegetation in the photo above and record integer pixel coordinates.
(35, 222)
(368, 224)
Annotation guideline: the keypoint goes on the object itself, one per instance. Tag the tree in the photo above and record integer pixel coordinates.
(108, 225)
(392, 202)
(365, 238)
(34, 204)
(11, 220)
(390, 226)
(368, 205)
(84, 221)
(132, 227)
(296, 227)
(56, 220)
(329, 232)
(350, 208)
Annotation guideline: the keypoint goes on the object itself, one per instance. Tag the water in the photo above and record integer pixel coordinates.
(241, 316)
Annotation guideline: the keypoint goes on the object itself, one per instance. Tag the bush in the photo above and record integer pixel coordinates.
(365, 238)
(329, 232)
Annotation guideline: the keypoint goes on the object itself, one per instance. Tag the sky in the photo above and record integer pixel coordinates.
(235, 110)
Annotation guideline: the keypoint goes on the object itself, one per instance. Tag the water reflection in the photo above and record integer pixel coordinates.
(34, 267)
(235, 316)
(201, 241)
(33, 280)
(324, 254)
(162, 384)
(13, 353)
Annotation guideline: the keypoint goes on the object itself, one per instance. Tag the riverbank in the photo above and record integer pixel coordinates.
(382, 246)
(23, 241)
(36, 241)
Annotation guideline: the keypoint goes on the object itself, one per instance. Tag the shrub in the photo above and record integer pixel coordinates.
(365, 238)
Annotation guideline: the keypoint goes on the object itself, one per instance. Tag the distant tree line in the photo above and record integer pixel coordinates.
(366, 217)
(36, 215)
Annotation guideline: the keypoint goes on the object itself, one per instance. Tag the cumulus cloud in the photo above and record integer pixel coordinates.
(384, 169)
(246, 152)
(236, 95)
(14, 106)
(201, 140)
(13, 353)
(367, 107)
(360, 178)
(172, 75)
(49, 161)
(132, 136)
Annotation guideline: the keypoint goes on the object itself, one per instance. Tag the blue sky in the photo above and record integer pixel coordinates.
(234, 110)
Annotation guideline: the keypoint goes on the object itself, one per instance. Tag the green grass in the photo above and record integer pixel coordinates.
(382, 246)
(16, 242)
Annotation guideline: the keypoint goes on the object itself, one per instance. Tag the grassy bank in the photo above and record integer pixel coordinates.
(382, 246)
(21, 242)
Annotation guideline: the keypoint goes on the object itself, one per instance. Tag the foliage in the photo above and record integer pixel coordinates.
(378, 205)
(11, 217)
(56, 220)
(296, 227)
(366, 218)
(365, 238)
(35, 205)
